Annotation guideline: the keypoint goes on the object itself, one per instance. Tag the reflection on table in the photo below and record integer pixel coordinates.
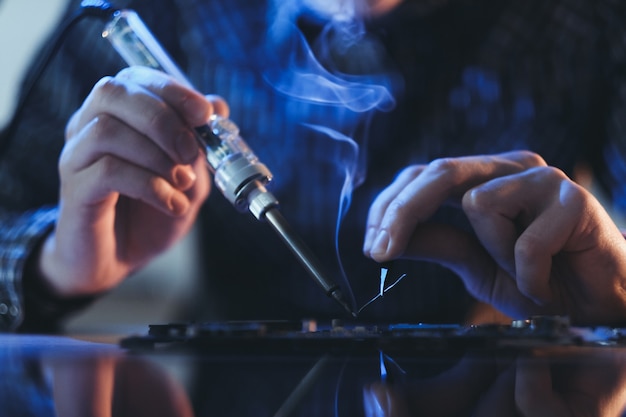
(56, 376)
(59, 376)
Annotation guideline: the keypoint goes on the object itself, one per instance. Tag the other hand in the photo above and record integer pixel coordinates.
(542, 243)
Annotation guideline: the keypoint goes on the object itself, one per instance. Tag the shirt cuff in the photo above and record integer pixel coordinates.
(20, 233)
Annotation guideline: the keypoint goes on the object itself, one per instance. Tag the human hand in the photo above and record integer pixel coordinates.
(132, 180)
(543, 244)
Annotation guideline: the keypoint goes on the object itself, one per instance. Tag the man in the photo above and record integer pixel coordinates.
(468, 77)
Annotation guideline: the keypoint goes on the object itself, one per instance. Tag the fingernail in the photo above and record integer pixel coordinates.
(369, 239)
(184, 178)
(381, 243)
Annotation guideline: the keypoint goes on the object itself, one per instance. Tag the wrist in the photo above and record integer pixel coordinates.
(45, 307)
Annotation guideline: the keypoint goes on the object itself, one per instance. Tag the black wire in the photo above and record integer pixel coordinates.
(94, 8)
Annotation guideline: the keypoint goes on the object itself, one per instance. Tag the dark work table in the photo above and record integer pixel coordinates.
(537, 367)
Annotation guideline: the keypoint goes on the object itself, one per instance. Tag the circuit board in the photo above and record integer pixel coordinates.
(310, 336)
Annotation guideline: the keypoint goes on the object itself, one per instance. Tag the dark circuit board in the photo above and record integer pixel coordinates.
(310, 336)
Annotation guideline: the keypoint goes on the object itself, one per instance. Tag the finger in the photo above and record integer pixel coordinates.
(522, 222)
(220, 106)
(439, 181)
(194, 108)
(108, 176)
(108, 136)
(149, 113)
(382, 201)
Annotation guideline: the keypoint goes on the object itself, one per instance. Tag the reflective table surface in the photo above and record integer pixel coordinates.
(261, 371)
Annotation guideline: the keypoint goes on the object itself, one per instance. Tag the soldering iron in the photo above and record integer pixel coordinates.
(237, 171)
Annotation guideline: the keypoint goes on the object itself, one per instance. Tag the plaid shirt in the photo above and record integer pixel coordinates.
(468, 77)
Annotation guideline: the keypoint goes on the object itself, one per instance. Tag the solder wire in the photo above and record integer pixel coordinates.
(383, 290)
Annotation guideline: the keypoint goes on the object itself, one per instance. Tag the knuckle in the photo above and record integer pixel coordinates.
(108, 166)
(476, 200)
(397, 207)
(128, 73)
(575, 196)
(445, 169)
(410, 172)
(104, 126)
(525, 247)
(109, 86)
(443, 164)
(531, 159)
(547, 174)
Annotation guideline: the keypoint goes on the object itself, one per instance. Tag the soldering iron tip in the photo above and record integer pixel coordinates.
(338, 296)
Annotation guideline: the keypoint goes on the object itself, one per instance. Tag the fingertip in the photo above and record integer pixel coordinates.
(219, 105)
(370, 234)
(178, 204)
(184, 177)
(381, 244)
(197, 111)
(534, 288)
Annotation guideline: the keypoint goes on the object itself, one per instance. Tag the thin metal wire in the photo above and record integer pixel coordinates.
(383, 276)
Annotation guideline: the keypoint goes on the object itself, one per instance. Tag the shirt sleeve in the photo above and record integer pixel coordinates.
(26, 303)
(19, 234)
